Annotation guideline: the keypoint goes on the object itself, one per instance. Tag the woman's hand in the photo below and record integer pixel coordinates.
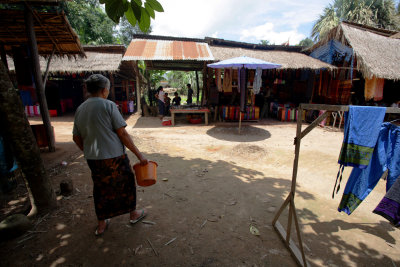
(143, 160)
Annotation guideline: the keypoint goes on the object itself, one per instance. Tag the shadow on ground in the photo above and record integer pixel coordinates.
(205, 208)
(231, 133)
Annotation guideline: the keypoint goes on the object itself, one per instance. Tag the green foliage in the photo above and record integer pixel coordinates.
(179, 79)
(265, 42)
(89, 21)
(306, 42)
(376, 13)
(135, 11)
(126, 31)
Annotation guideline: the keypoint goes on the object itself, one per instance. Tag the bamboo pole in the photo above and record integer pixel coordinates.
(44, 111)
(47, 68)
(198, 87)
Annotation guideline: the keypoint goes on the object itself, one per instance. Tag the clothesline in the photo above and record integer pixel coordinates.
(298, 253)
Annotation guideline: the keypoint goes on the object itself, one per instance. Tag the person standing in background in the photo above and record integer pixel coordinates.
(190, 94)
(161, 102)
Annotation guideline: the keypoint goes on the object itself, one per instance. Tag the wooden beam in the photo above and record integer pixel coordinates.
(138, 90)
(314, 124)
(112, 87)
(4, 56)
(198, 87)
(47, 69)
(44, 111)
(340, 108)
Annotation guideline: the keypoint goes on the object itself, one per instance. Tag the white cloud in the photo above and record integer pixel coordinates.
(267, 32)
(249, 21)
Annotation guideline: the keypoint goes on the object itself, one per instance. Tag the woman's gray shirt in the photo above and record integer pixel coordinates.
(96, 121)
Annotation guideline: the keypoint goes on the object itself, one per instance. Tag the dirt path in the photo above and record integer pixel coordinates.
(219, 184)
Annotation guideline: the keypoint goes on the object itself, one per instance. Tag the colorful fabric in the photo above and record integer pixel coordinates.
(114, 189)
(389, 207)
(361, 132)
(386, 157)
(227, 82)
(257, 81)
(374, 89)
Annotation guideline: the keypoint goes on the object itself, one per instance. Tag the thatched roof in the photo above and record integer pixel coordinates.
(377, 54)
(52, 31)
(100, 59)
(288, 60)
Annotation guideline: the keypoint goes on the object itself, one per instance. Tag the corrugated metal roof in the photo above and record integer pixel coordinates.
(142, 49)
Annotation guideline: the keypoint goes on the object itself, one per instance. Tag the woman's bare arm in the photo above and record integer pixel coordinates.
(128, 142)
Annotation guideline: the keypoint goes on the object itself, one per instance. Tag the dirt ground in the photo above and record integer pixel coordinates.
(219, 184)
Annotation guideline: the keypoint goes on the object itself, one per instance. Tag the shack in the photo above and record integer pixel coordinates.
(65, 89)
(368, 60)
(282, 90)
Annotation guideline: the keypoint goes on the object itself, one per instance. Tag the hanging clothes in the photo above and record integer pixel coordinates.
(361, 132)
(257, 81)
(227, 84)
(389, 207)
(374, 89)
(386, 156)
(218, 76)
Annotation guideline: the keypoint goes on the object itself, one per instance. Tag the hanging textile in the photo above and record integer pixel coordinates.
(218, 76)
(257, 81)
(361, 131)
(227, 84)
(389, 207)
(374, 89)
(386, 156)
(333, 51)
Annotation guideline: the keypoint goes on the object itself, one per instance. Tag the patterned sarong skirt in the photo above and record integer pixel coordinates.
(114, 189)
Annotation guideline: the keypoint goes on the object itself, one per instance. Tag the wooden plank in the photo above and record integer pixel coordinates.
(289, 197)
(296, 222)
(294, 250)
(314, 124)
(340, 108)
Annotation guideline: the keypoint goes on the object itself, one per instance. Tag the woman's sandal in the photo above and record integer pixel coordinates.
(96, 233)
(142, 215)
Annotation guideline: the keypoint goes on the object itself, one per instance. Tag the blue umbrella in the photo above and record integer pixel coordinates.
(244, 62)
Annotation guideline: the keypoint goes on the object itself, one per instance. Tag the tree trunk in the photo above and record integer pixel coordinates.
(37, 75)
(20, 136)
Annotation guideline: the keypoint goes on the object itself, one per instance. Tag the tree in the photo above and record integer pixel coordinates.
(19, 135)
(126, 31)
(135, 11)
(89, 21)
(265, 42)
(306, 42)
(376, 13)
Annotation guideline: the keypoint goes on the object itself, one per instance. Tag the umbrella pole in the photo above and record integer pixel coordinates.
(240, 120)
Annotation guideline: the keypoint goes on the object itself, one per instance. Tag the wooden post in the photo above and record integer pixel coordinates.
(198, 87)
(138, 89)
(112, 87)
(44, 111)
(47, 68)
(205, 75)
(4, 56)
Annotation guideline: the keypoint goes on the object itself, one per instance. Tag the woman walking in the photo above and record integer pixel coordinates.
(99, 131)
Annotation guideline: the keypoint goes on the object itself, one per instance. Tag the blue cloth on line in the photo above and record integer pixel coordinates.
(361, 130)
(386, 156)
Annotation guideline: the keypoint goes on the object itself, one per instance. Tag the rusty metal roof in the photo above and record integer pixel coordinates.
(160, 50)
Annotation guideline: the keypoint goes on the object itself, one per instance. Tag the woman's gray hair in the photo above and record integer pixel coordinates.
(97, 82)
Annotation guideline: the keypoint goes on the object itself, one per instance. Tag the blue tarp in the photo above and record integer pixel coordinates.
(333, 51)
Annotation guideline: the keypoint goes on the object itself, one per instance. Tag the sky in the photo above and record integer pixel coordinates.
(251, 21)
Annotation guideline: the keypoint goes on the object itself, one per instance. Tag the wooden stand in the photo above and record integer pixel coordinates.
(297, 253)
